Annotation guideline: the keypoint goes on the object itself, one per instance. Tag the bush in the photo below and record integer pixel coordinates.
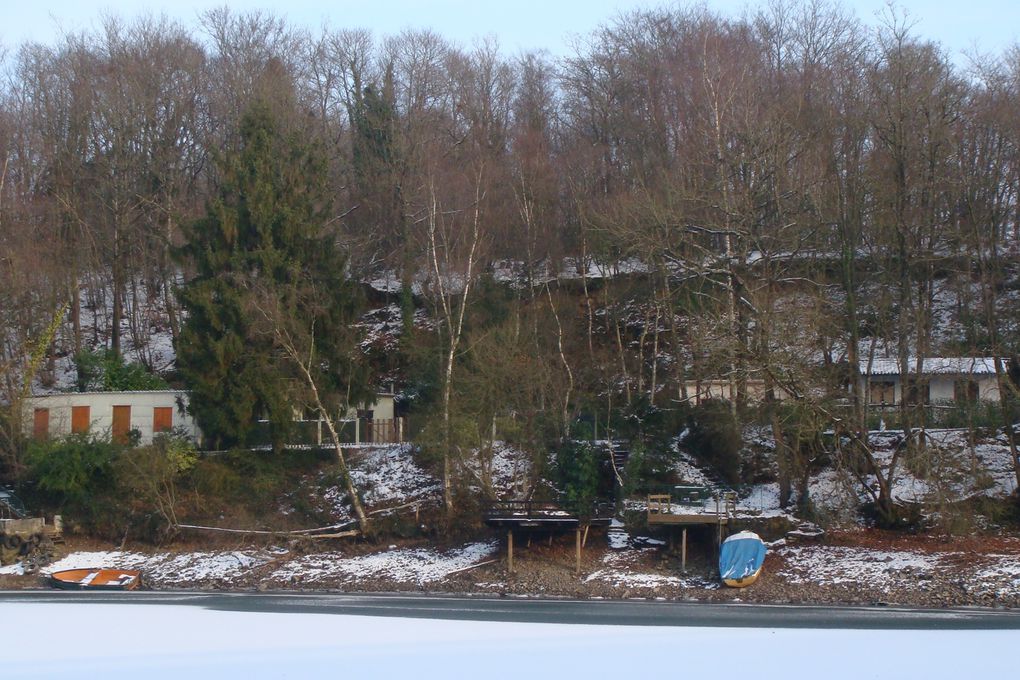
(648, 469)
(577, 465)
(148, 477)
(714, 438)
(76, 475)
(106, 371)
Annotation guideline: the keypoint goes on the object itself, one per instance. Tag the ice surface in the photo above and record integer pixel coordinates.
(174, 642)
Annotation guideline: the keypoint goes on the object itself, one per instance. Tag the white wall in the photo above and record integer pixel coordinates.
(940, 387)
(101, 411)
(988, 389)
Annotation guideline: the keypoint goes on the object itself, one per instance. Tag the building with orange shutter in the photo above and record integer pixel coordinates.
(145, 413)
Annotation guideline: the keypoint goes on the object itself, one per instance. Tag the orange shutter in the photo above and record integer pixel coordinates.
(162, 419)
(41, 423)
(121, 423)
(81, 418)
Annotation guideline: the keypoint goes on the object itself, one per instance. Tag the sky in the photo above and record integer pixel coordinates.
(960, 25)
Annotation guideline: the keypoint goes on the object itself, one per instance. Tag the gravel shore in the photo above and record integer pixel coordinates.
(858, 567)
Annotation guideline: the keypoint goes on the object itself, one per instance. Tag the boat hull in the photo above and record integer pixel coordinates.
(96, 579)
(742, 582)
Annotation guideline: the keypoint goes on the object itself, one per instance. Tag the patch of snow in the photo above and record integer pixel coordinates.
(999, 578)
(169, 568)
(508, 468)
(618, 540)
(415, 565)
(619, 569)
(16, 569)
(882, 569)
(389, 475)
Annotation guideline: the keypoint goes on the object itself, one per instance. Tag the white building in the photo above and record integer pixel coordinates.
(117, 413)
(942, 380)
(151, 412)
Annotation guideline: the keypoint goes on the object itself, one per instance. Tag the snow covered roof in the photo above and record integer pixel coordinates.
(934, 366)
(74, 393)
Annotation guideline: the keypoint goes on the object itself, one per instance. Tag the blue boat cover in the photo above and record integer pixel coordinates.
(741, 555)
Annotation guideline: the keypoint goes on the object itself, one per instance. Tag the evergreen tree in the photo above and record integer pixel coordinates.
(264, 245)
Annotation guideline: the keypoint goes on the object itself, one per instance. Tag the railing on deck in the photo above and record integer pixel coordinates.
(314, 433)
(527, 509)
(700, 500)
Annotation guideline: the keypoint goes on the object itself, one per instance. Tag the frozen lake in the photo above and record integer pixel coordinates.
(52, 639)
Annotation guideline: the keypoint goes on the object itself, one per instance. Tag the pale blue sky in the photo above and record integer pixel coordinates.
(520, 25)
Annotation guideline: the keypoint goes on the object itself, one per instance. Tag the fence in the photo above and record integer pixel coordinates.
(315, 433)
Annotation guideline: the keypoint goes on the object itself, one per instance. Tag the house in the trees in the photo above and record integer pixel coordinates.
(146, 413)
(371, 423)
(755, 390)
(944, 380)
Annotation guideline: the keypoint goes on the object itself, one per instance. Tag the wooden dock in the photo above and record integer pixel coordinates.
(663, 509)
(689, 506)
(525, 514)
(531, 516)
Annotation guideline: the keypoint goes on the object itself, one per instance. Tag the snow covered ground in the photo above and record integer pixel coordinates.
(174, 641)
(276, 567)
(419, 566)
(994, 577)
(622, 569)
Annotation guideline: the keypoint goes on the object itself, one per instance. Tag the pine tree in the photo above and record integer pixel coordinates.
(264, 245)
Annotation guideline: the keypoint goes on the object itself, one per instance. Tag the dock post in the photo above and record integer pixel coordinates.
(578, 551)
(683, 552)
(510, 551)
(719, 519)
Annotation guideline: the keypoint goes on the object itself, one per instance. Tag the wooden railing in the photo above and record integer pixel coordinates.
(527, 509)
(700, 499)
(383, 431)
(353, 431)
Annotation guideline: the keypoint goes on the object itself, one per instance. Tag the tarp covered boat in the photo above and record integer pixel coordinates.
(96, 579)
(740, 559)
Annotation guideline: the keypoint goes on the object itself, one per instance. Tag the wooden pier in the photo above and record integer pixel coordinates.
(530, 516)
(687, 506)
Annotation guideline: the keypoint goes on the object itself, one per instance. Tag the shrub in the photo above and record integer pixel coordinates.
(648, 469)
(714, 437)
(577, 465)
(106, 371)
(148, 478)
(75, 474)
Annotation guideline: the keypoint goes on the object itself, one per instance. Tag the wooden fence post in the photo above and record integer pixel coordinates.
(683, 552)
(510, 551)
(578, 551)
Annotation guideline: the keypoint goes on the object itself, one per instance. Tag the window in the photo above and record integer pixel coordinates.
(81, 419)
(917, 392)
(965, 391)
(882, 392)
(162, 419)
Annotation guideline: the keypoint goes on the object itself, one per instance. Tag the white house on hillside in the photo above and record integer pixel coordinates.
(148, 412)
(151, 412)
(942, 379)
